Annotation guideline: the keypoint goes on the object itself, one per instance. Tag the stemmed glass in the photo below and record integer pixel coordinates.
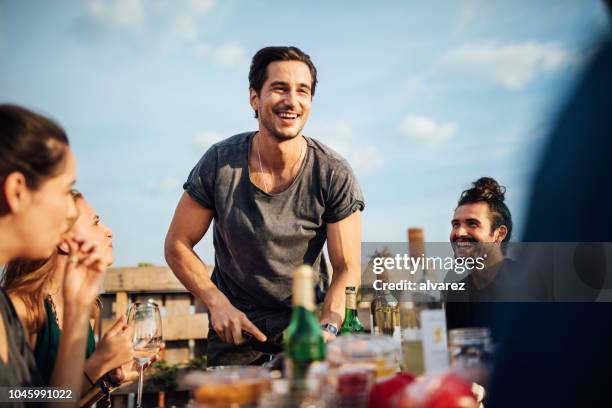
(145, 320)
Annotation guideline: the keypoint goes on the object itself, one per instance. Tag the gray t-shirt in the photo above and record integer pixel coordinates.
(259, 238)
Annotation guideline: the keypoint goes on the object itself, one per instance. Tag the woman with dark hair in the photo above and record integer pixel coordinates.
(37, 173)
(34, 287)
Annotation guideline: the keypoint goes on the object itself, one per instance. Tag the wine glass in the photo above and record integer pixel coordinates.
(145, 320)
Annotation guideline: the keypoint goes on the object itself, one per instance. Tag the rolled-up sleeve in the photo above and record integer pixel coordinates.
(344, 195)
(200, 184)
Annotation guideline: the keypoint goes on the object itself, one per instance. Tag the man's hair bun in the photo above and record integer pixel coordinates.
(487, 189)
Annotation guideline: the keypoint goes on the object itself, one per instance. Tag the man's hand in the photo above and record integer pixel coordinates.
(344, 247)
(229, 323)
(327, 336)
(329, 330)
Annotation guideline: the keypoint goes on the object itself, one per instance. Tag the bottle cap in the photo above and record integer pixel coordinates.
(303, 291)
(303, 272)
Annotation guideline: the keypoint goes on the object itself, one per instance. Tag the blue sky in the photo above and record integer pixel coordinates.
(422, 98)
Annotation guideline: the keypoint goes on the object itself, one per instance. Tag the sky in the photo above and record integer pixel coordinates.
(421, 97)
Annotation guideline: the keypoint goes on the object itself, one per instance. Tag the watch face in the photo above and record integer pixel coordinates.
(328, 327)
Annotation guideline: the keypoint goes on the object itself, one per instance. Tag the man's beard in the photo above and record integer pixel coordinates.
(279, 136)
(475, 249)
(471, 250)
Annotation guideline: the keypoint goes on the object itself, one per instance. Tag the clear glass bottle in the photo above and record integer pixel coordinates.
(422, 317)
(384, 311)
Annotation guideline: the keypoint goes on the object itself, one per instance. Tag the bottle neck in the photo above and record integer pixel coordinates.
(351, 301)
(303, 293)
(350, 315)
(301, 315)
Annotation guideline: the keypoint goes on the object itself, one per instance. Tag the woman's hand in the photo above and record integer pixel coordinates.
(84, 274)
(113, 350)
(82, 280)
(129, 371)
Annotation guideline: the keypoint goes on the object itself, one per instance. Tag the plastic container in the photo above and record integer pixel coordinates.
(228, 386)
(349, 385)
(379, 352)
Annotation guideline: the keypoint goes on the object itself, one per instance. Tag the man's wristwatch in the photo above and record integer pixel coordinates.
(328, 327)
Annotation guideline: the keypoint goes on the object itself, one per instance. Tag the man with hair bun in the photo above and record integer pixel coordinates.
(480, 228)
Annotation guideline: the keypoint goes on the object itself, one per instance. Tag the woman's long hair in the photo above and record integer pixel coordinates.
(29, 279)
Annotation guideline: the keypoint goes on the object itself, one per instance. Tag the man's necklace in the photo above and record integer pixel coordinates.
(261, 167)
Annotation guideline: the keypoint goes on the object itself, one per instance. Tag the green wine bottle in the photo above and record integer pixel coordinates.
(303, 339)
(351, 322)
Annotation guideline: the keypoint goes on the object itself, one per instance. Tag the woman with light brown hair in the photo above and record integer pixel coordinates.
(34, 288)
(37, 174)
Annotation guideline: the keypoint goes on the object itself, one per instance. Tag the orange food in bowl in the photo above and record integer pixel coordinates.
(239, 392)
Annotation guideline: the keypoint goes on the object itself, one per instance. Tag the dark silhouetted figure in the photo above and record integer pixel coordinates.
(560, 354)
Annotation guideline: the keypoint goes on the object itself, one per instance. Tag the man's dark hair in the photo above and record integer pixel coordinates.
(487, 190)
(259, 65)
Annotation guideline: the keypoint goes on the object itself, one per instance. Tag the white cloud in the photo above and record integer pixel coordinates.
(204, 140)
(161, 25)
(422, 87)
(467, 15)
(164, 24)
(115, 14)
(184, 28)
(339, 135)
(163, 185)
(229, 54)
(188, 6)
(424, 130)
(184, 19)
(201, 6)
(509, 65)
(202, 50)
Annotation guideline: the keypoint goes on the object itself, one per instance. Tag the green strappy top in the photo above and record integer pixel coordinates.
(47, 344)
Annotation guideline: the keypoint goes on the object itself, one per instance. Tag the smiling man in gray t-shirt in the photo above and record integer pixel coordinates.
(276, 196)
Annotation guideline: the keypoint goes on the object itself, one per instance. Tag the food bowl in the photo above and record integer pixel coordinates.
(228, 386)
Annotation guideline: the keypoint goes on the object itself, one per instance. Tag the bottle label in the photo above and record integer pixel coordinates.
(433, 332)
(351, 301)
